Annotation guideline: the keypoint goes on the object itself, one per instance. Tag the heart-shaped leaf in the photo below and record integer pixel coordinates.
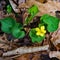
(34, 37)
(17, 31)
(7, 24)
(52, 22)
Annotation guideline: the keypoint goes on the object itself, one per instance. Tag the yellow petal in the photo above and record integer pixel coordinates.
(38, 33)
(37, 29)
(43, 31)
(42, 34)
(42, 27)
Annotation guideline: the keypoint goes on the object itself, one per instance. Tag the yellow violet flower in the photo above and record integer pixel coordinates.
(40, 31)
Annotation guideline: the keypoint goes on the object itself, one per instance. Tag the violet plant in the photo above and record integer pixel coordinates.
(47, 24)
(10, 26)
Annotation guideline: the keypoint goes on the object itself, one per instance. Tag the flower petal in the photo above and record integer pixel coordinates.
(42, 27)
(43, 31)
(38, 33)
(41, 34)
(37, 29)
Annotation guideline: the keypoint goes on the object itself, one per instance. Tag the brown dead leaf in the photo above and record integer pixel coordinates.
(24, 57)
(56, 38)
(48, 8)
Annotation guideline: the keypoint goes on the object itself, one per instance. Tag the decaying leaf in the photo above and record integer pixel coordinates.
(56, 38)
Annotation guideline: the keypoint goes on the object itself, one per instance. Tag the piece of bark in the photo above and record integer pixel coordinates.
(23, 50)
(54, 54)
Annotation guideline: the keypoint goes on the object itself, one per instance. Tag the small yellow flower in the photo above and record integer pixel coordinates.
(43, 29)
(40, 31)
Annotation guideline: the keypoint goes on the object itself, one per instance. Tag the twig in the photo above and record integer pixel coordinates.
(15, 56)
(23, 50)
(14, 6)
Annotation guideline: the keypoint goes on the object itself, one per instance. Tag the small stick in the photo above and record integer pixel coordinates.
(23, 50)
(14, 6)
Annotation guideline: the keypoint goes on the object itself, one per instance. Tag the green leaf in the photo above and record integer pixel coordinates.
(9, 9)
(28, 19)
(41, 24)
(17, 31)
(52, 22)
(34, 37)
(18, 25)
(7, 24)
(32, 12)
